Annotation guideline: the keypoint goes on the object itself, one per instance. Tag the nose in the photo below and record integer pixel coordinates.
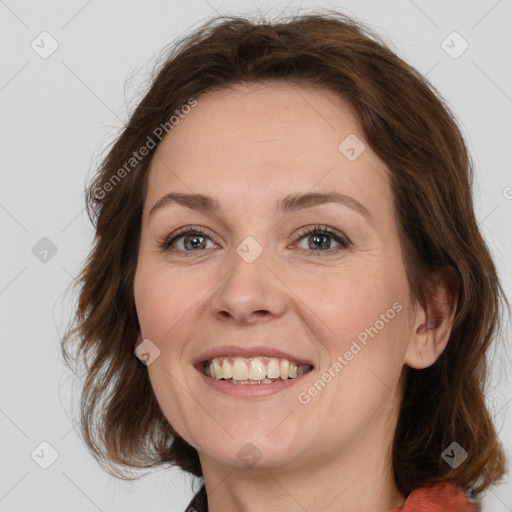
(249, 293)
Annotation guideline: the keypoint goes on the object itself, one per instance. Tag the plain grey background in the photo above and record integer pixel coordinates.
(58, 113)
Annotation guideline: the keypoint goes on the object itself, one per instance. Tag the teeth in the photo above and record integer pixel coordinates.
(240, 370)
(257, 370)
(284, 368)
(227, 370)
(217, 369)
(264, 381)
(211, 373)
(273, 369)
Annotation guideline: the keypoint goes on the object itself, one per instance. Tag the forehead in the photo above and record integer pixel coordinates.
(255, 143)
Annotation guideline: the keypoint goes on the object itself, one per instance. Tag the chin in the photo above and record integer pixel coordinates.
(252, 450)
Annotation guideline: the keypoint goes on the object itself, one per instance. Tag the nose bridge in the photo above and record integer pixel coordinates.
(249, 285)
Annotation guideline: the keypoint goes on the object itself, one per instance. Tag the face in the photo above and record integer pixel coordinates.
(322, 281)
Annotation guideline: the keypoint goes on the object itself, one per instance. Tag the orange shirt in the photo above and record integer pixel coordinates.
(440, 497)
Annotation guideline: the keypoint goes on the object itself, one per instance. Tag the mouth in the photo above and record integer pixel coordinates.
(257, 370)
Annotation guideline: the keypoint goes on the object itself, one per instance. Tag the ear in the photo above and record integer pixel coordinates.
(433, 321)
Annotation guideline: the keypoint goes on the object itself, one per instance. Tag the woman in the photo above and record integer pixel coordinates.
(285, 235)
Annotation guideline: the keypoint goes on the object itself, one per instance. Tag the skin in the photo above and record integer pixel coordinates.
(249, 146)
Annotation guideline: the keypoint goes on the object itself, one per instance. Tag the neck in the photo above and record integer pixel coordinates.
(347, 479)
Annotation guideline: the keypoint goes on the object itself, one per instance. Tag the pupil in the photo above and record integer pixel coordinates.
(318, 239)
(194, 240)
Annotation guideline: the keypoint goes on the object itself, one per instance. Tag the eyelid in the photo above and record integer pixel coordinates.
(323, 229)
(185, 230)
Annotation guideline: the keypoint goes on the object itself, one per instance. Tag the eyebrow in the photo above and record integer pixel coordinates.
(290, 203)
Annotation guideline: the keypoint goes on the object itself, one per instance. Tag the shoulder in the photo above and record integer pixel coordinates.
(433, 497)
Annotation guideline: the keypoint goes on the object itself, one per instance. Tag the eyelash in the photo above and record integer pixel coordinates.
(341, 239)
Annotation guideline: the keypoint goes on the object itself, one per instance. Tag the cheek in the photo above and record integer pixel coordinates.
(163, 298)
(349, 300)
(363, 306)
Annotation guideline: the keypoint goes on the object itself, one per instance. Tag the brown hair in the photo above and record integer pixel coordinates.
(408, 125)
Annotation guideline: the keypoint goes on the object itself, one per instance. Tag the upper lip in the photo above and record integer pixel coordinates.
(247, 352)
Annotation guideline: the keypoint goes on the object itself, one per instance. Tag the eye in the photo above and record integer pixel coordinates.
(319, 239)
(193, 238)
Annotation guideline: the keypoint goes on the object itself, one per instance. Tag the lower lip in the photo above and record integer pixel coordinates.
(249, 390)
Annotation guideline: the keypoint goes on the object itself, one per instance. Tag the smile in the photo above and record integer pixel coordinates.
(255, 370)
(251, 377)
